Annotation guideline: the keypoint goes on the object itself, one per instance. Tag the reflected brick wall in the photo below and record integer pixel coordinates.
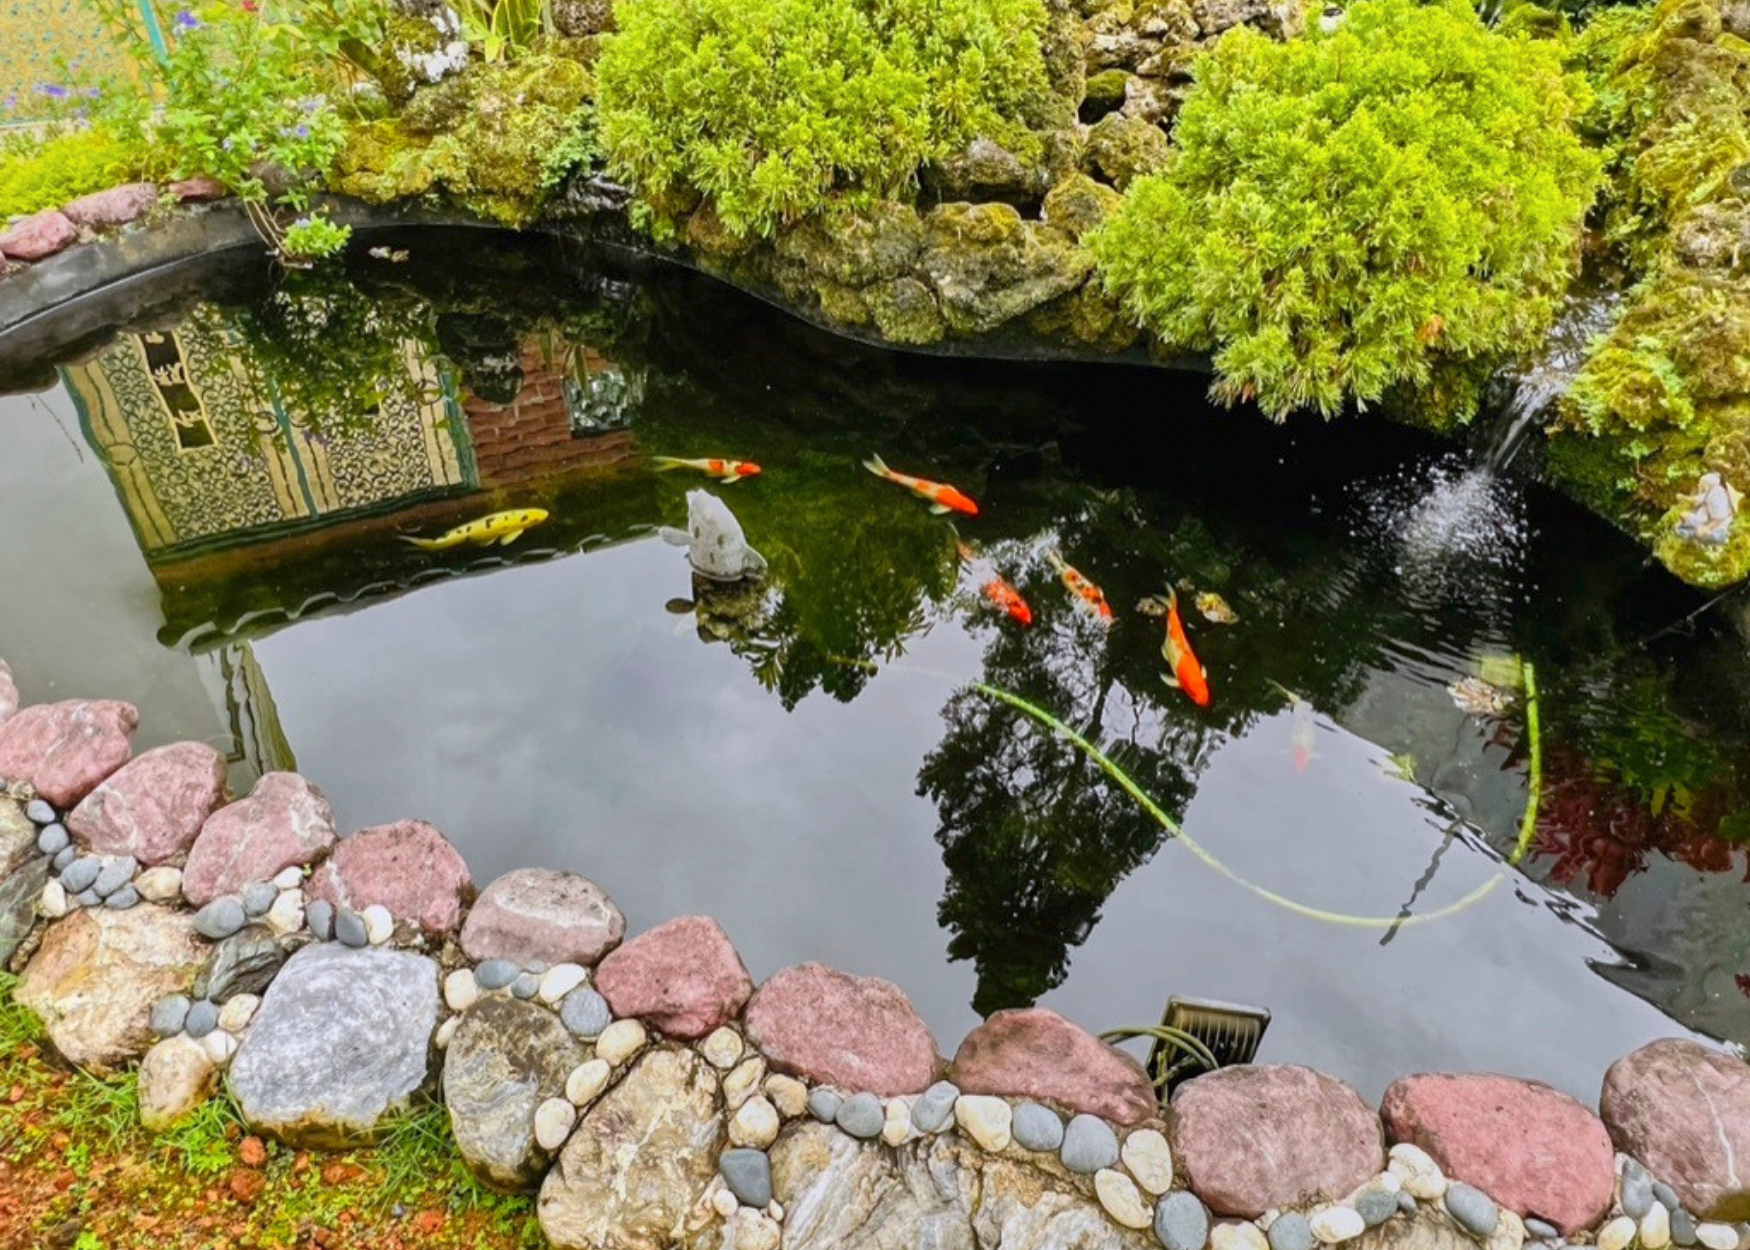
(531, 437)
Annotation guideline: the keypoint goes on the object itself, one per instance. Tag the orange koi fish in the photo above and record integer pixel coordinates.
(942, 497)
(1186, 673)
(997, 591)
(1081, 587)
(725, 471)
(1302, 733)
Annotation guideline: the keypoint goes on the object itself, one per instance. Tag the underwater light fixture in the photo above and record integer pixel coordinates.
(1197, 1035)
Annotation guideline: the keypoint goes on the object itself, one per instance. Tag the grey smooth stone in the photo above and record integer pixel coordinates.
(1637, 1191)
(1540, 1229)
(1375, 1205)
(53, 839)
(1037, 1127)
(349, 928)
(748, 1173)
(585, 1013)
(40, 812)
(1291, 1231)
(1474, 1209)
(1182, 1222)
(80, 875)
(168, 1014)
(65, 856)
(1667, 1196)
(243, 963)
(1089, 1144)
(525, 985)
(935, 1107)
(861, 1115)
(495, 974)
(258, 898)
(123, 898)
(219, 919)
(114, 875)
(1682, 1227)
(1407, 1203)
(824, 1104)
(319, 915)
(203, 1018)
(85, 898)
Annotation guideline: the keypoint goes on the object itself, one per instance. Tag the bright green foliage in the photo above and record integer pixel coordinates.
(502, 27)
(35, 176)
(313, 237)
(1361, 211)
(773, 108)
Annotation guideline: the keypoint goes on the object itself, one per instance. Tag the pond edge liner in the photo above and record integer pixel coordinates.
(682, 991)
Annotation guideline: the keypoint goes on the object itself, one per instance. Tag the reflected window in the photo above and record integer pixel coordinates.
(169, 371)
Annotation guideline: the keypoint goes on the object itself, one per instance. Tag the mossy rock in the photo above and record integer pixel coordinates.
(1086, 318)
(583, 17)
(1103, 94)
(1121, 149)
(904, 312)
(410, 44)
(985, 170)
(854, 248)
(988, 266)
(706, 234)
(1077, 204)
(842, 305)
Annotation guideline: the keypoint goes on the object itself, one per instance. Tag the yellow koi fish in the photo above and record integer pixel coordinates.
(503, 528)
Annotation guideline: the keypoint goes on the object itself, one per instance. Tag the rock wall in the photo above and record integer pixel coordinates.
(657, 1099)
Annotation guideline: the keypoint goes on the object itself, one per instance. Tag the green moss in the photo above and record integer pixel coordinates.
(1104, 93)
(37, 175)
(856, 247)
(1122, 149)
(990, 266)
(1078, 204)
(904, 311)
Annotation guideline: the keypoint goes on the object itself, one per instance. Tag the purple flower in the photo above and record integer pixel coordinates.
(303, 132)
(91, 93)
(186, 20)
(52, 90)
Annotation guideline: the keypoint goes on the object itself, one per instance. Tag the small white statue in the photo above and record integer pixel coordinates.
(1713, 505)
(715, 544)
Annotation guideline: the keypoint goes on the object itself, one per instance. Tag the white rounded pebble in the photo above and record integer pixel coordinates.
(987, 1120)
(722, 1050)
(53, 905)
(775, 1209)
(1619, 1234)
(379, 924)
(1717, 1236)
(1420, 1176)
(461, 990)
(587, 1081)
(1122, 1199)
(237, 1012)
(560, 980)
(289, 878)
(756, 1231)
(1509, 1231)
(896, 1122)
(724, 1203)
(743, 1081)
(554, 1120)
(788, 1095)
(620, 1041)
(1238, 1236)
(1656, 1227)
(287, 913)
(755, 1124)
(220, 1046)
(1335, 1225)
(446, 1031)
(159, 885)
(1150, 1160)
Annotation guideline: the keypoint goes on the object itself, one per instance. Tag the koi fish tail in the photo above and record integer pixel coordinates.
(665, 463)
(877, 466)
(424, 544)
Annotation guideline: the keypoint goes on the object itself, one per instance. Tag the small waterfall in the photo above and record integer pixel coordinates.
(1543, 380)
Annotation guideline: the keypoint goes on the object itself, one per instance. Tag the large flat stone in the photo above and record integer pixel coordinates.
(829, 1027)
(506, 1058)
(1684, 1111)
(538, 915)
(285, 822)
(19, 891)
(152, 807)
(683, 978)
(1036, 1053)
(114, 206)
(65, 749)
(634, 1173)
(39, 235)
(408, 867)
(97, 973)
(1527, 1146)
(1273, 1135)
(340, 1043)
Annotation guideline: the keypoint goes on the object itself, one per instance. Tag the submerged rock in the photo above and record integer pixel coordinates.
(832, 1028)
(284, 822)
(716, 546)
(505, 1060)
(539, 916)
(65, 749)
(408, 867)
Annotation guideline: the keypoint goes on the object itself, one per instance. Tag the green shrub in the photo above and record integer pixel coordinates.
(773, 109)
(1362, 211)
(38, 175)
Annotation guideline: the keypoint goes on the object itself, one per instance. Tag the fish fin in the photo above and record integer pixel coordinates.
(1204, 669)
(665, 463)
(673, 537)
(1170, 680)
(510, 538)
(424, 544)
(483, 540)
(730, 479)
(940, 509)
(877, 466)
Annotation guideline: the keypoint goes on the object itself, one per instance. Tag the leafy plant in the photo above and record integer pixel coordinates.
(502, 27)
(39, 173)
(313, 237)
(772, 109)
(1368, 210)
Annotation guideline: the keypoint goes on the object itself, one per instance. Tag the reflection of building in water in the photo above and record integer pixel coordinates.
(570, 411)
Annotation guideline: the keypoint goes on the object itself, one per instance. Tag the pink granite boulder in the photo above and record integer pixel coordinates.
(682, 978)
(200, 189)
(1527, 1146)
(8, 693)
(37, 236)
(1273, 1135)
(1684, 1111)
(152, 807)
(860, 1033)
(408, 867)
(285, 822)
(117, 206)
(1035, 1053)
(66, 749)
(538, 915)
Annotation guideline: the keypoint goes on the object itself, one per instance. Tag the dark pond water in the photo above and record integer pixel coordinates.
(204, 516)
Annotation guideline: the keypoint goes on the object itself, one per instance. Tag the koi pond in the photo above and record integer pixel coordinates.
(864, 758)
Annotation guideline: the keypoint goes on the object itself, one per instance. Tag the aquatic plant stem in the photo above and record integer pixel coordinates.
(1534, 777)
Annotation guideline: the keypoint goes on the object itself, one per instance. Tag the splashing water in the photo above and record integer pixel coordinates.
(1544, 379)
(1451, 526)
